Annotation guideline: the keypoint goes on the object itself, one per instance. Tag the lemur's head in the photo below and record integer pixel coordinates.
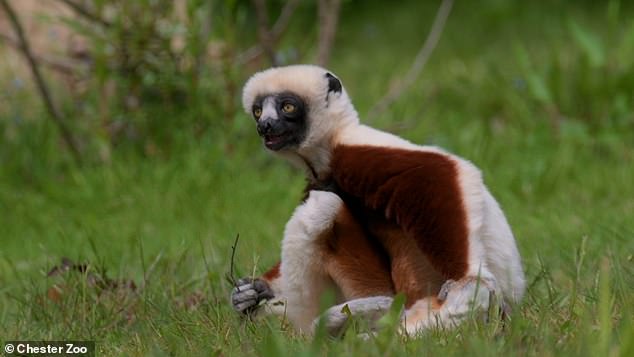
(297, 106)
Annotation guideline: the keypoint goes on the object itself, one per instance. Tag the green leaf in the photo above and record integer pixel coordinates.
(346, 310)
(538, 88)
(589, 43)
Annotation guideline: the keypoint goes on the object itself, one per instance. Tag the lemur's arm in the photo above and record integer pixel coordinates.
(250, 292)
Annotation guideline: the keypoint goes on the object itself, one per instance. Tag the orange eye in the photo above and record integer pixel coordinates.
(257, 112)
(288, 108)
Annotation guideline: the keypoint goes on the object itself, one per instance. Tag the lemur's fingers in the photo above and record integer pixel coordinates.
(248, 293)
(245, 307)
(263, 289)
(370, 310)
(243, 297)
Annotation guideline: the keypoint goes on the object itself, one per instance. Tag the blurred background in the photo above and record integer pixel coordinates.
(143, 78)
(123, 141)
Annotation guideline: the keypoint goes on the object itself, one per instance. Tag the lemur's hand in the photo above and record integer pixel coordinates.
(248, 294)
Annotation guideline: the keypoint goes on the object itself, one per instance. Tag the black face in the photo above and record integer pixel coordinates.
(281, 120)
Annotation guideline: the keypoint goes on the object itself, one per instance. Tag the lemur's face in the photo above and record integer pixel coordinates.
(281, 120)
(296, 107)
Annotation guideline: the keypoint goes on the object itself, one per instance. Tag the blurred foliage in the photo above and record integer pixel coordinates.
(157, 74)
(152, 71)
(589, 67)
(153, 61)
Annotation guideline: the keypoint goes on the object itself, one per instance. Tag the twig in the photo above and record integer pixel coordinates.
(230, 277)
(39, 81)
(284, 18)
(328, 20)
(65, 67)
(141, 256)
(264, 32)
(82, 11)
(419, 62)
(201, 53)
(278, 29)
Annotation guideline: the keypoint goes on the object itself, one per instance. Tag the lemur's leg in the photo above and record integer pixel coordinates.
(355, 261)
(444, 307)
(360, 268)
(407, 271)
(369, 309)
(325, 247)
(455, 302)
(494, 276)
(457, 298)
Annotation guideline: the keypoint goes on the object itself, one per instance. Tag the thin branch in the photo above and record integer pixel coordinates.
(284, 18)
(264, 32)
(419, 62)
(276, 33)
(328, 20)
(39, 81)
(205, 32)
(65, 67)
(84, 12)
(231, 277)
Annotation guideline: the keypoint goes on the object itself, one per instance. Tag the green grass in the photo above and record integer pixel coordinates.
(512, 87)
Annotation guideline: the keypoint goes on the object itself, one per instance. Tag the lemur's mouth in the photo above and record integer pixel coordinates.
(276, 142)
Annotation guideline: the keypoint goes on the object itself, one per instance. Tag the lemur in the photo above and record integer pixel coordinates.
(381, 216)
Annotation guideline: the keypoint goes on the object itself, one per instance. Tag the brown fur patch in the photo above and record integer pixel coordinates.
(411, 271)
(357, 264)
(416, 190)
(272, 273)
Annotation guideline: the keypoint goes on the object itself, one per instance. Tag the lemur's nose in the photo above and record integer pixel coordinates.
(265, 126)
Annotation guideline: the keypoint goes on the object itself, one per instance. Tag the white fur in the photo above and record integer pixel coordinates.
(502, 257)
(332, 120)
(370, 309)
(470, 181)
(268, 109)
(303, 276)
(466, 297)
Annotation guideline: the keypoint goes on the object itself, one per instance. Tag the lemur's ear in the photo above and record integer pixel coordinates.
(334, 85)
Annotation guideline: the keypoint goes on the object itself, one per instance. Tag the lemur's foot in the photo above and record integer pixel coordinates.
(248, 294)
(370, 309)
(456, 301)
